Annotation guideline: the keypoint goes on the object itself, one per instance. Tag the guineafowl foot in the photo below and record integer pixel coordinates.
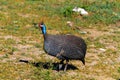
(66, 65)
(61, 64)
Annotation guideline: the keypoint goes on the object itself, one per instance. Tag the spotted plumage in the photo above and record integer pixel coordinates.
(64, 47)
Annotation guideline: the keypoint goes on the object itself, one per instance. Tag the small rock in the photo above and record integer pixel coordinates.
(69, 23)
(83, 32)
(101, 49)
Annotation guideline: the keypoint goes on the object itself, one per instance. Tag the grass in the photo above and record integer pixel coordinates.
(21, 39)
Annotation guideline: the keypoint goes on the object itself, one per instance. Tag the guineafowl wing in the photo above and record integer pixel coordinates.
(72, 47)
(70, 51)
(65, 46)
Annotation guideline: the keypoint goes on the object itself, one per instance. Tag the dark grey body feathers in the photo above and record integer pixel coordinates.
(65, 47)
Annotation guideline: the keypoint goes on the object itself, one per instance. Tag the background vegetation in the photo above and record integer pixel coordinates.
(20, 38)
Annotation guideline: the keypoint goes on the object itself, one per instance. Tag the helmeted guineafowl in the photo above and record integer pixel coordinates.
(64, 47)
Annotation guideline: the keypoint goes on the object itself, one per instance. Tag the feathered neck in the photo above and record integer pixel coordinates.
(43, 28)
(45, 36)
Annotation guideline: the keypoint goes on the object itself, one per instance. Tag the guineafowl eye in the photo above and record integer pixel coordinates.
(64, 47)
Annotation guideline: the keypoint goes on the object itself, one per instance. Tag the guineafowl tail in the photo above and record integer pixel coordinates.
(83, 61)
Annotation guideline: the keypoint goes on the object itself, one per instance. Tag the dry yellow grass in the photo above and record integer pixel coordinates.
(20, 39)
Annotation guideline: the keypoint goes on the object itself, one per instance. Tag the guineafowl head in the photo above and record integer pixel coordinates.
(43, 27)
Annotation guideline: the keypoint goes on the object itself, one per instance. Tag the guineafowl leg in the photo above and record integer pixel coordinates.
(60, 65)
(66, 65)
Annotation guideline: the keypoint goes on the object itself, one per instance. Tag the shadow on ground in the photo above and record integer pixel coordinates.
(49, 65)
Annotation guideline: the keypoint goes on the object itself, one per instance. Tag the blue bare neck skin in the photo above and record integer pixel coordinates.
(44, 29)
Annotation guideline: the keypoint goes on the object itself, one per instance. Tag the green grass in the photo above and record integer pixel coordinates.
(20, 38)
